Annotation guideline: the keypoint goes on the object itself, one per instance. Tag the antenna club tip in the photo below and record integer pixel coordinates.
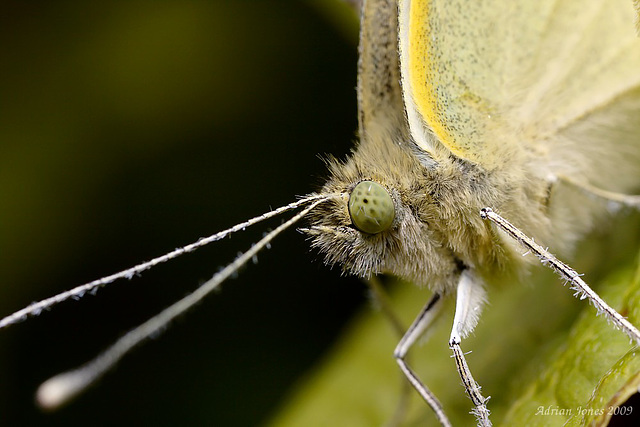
(57, 391)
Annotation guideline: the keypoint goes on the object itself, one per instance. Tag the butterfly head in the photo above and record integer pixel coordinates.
(382, 221)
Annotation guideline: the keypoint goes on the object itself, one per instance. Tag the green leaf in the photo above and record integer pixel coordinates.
(591, 372)
(543, 356)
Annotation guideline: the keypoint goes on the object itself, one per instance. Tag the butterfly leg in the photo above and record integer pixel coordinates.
(631, 201)
(381, 300)
(415, 331)
(468, 303)
(582, 290)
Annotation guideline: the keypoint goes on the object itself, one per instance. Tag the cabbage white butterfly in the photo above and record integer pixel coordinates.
(462, 154)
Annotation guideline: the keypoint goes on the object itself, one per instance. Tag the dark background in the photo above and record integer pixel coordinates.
(130, 128)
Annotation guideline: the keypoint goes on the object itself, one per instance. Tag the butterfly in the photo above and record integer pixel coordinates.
(377, 125)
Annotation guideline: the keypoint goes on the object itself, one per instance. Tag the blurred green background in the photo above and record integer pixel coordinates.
(129, 128)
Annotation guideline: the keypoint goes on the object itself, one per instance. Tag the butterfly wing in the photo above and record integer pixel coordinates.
(486, 80)
(379, 95)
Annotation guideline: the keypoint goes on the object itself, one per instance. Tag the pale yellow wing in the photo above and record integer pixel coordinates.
(484, 80)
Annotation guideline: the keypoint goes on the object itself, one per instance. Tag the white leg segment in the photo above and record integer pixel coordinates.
(469, 300)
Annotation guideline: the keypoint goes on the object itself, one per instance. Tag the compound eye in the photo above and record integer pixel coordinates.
(371, 208)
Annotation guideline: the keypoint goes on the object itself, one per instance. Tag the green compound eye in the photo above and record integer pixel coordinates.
(371, 208)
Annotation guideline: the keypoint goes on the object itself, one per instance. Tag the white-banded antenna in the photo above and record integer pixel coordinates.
(36, 308)
(63, 387)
